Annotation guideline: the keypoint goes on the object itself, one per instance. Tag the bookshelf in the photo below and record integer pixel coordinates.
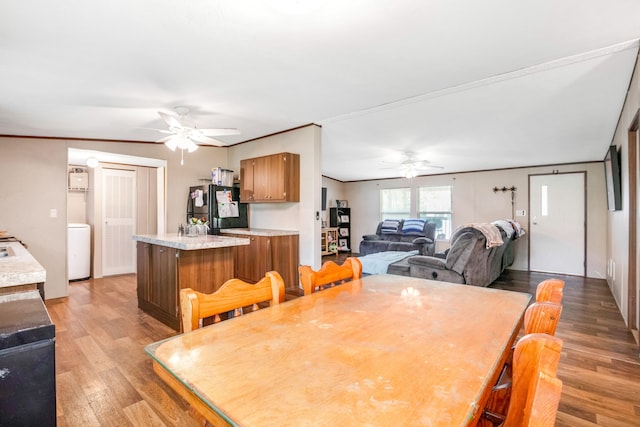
(340, 218)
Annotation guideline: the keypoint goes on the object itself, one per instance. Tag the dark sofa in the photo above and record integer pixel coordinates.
(401, 235)
(469, 260)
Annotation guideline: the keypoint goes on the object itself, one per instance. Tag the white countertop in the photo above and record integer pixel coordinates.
(172, 240)
(259, 232)
(21, 268)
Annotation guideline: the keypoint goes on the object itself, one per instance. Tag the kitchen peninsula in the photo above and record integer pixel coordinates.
(169, 262)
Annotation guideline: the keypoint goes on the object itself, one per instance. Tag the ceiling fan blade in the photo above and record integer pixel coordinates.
(156, 130)
(419, 166)
(166, 138)
(182, 128)
(170, 120)
(198, 137)
(219, 131)
(411, 165)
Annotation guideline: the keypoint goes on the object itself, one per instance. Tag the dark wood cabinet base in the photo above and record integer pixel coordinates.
(159, 314)
(267, 253)
(163, 271)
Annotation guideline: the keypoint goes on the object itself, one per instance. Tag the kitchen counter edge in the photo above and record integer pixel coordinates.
(173, 240)
(259, 232)
(20, 268)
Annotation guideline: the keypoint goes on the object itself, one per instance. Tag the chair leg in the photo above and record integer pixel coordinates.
(495, 410)
(198, 418)
(491, 419)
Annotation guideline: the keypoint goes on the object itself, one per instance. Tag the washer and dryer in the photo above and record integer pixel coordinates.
(79, 251)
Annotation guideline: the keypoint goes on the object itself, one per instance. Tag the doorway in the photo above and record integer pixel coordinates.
(119, 221)
(557, 223)
(154, 179)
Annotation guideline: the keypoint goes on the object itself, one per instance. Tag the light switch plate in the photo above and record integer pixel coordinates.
(521, 212)
(53, 213)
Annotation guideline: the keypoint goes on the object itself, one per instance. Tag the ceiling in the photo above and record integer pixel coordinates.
(466, 85)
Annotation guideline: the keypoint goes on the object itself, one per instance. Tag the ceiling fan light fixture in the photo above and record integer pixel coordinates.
(191, 146)
(186, 136)
(413, 165)
(410, 172)
(182, 142)
(172, 144)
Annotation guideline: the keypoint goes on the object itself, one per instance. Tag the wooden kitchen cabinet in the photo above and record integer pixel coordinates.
(251, 260)
(267, 253)
(163, 271)
(267, 179)
(158, 282)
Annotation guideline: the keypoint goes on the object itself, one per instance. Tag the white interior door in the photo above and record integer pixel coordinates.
(119, 215)
(557, 223)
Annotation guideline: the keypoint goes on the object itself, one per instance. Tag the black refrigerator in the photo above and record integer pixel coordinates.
(219, 205)
(27, 361)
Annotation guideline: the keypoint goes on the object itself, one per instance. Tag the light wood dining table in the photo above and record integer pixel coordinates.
(384, 350)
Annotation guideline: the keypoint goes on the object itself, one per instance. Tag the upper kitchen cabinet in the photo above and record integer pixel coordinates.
(268, 179)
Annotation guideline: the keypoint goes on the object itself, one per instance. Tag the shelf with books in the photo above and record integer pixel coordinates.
(341, 219)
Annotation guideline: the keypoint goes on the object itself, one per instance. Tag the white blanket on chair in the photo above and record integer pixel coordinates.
(379, 262)
(490, 231)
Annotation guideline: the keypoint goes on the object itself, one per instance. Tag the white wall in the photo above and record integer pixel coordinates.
(290, 216)
(475, 201)
(33, 180)
(618, 221)
(77, 207)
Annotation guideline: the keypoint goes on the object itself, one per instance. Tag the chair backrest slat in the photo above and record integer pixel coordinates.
(233, 294)
(550, 290)
(534, 353)
(542, 408)
(542, 318)
(329, 273)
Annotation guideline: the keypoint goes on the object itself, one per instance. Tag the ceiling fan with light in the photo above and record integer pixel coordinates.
(412, 165)
(184, 134)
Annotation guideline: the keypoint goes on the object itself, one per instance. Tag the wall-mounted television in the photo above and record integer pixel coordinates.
(613, 177)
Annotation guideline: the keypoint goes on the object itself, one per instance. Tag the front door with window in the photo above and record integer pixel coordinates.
(557, 221)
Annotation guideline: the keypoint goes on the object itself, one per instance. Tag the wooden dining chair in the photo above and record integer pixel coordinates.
(541, 408)
(329, 274)
(539, 318)
(542, 317)
(528, 396)
(536, 390)
(550, 290)
(233, 294)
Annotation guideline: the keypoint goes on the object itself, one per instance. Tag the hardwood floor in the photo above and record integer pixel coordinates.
(599, 366)
(104, 377)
